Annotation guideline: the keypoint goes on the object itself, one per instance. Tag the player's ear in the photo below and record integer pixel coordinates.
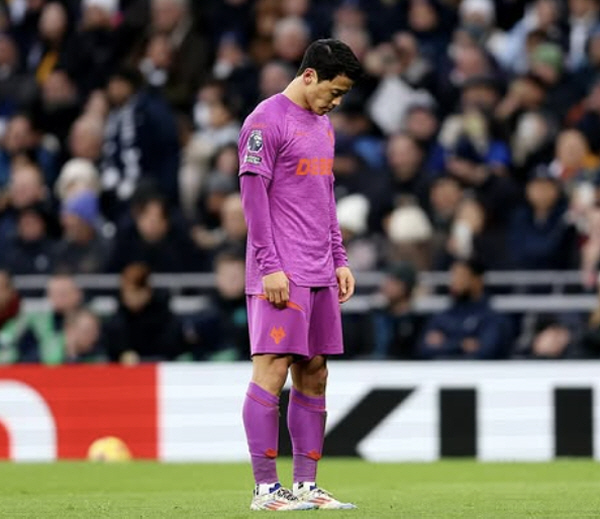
(309, 76)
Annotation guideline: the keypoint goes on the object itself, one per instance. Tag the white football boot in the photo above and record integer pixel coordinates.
(318, 497)
(277, 499)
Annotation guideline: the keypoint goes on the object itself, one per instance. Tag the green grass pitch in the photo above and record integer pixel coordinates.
(440, 490)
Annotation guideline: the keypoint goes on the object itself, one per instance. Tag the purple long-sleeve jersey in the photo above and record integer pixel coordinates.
(289, 204)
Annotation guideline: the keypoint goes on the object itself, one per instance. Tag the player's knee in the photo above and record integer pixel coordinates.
(315, 382)
(321, 378)
(271, 374)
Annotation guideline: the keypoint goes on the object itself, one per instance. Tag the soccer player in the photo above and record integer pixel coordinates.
(296, 270)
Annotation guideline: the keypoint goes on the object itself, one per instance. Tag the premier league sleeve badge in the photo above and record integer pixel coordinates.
(255, 141)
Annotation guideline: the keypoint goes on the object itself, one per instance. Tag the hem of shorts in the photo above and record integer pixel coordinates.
(296, 353)
(256, 292)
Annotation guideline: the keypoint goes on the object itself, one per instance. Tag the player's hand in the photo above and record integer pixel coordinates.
(277, 288)
(346, 283)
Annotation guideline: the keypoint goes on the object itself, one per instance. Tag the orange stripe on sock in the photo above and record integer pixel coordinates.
(314, 455)
(271, 453)
(261, 401)
(303, 403)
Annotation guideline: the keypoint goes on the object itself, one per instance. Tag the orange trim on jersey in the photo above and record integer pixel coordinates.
(289, 304)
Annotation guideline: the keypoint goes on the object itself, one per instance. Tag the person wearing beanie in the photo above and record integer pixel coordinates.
(82, 248)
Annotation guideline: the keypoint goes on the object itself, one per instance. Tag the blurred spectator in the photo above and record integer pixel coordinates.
(405, 170)
(216, 128)
(85, 139)
(574, 163)
(586, 76)
(414, 68)
(532, 143)
(274, 77)
(25, 18)
(266, 14)
(234, 67)
(82, 248)
(23, 138)
(395, 324)
(57, 107)
(143, 328)
(422, 124)
(97, 105)
(155, 63)
(479, 160)
(356, 134)
(547, 63)
(25, 188)
(550, 336)
(222, 330)
(75, 176)
(445, 197)
(48, 49)
(472, 151)
(17, 89)
(525, 93)
(472, 236)
(393, 95)
(583, 18)
(410, 235)
(216, 187)
(470, 328)
(221, 125)
(154, 236)
(231, 231)
(230, 16)
(542, 16)
(189, 60)
(83, 340)
(31, 249)
(141, 142)
(40, 337)
(362, 248)
(478, 18)
(538, 235)
(425, 21)
(94, 48)
(291, 36)
(466, 62)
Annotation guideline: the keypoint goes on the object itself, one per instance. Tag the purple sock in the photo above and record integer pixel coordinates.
(306, 423)
(261, 421)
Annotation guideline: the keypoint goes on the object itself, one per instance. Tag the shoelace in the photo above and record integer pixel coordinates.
(285, 494)
(322, 491)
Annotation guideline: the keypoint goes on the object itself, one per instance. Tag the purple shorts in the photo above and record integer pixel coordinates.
(310, 325)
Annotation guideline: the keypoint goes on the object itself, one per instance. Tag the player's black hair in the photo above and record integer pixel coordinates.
(331, 58)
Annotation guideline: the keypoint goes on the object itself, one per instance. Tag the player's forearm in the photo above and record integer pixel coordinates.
(258, 219)
(340, 258)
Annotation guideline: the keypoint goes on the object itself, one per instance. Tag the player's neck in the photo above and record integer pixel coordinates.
(295, 93)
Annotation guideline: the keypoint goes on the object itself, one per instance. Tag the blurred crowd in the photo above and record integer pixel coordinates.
(471, 144)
